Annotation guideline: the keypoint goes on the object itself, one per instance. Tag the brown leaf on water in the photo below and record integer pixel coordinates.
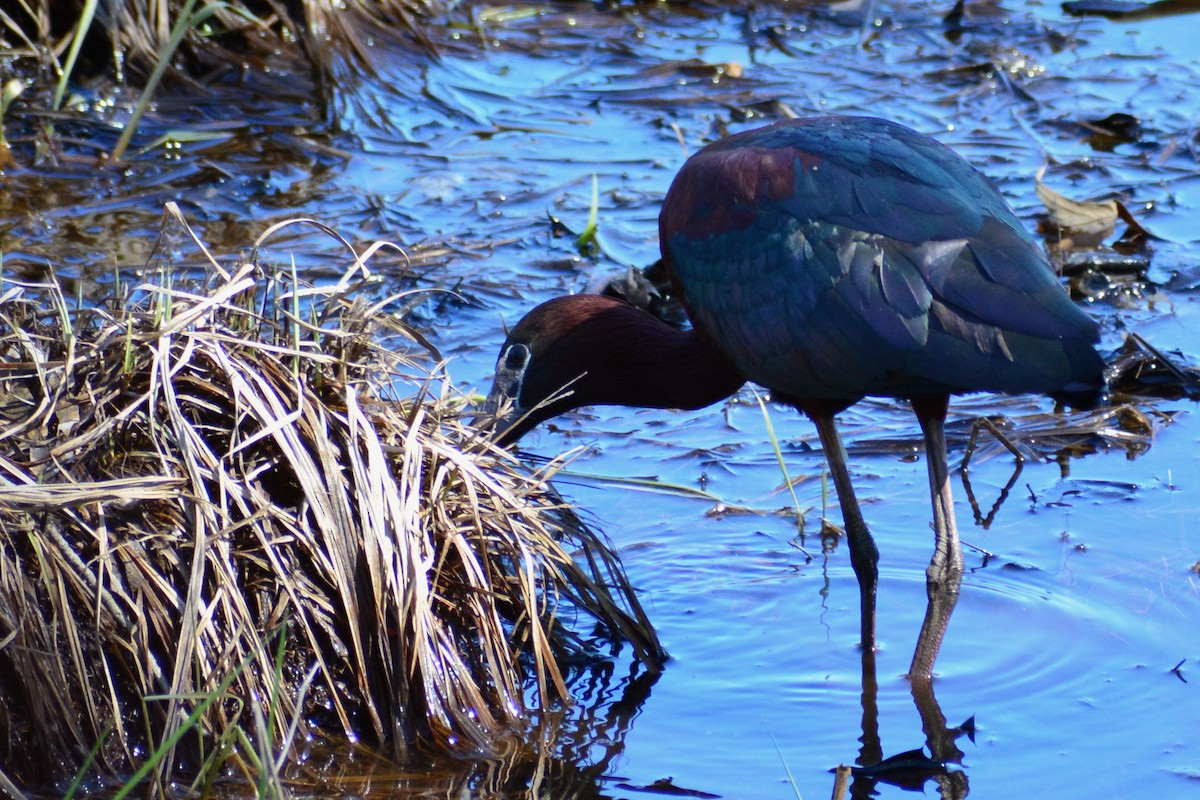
(1135, 234)
(1078, 217)
(695, 68)
(1116, 129)
(667, 786)
(1139, 369)
(1077, 232)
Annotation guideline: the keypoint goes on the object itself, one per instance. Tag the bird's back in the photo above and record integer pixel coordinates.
(838, 257)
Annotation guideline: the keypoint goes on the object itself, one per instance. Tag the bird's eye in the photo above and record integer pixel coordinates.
(516, 358)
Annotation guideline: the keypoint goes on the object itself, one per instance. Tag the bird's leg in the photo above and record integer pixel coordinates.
(944, 574)
(864, 556)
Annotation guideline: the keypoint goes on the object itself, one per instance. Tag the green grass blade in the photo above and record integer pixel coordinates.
(762, 404)
(586, 243)
(186, 21)
(81, 30)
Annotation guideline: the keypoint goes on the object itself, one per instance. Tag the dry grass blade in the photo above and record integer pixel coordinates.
(325, 31)
(122, 491)
(187, 471)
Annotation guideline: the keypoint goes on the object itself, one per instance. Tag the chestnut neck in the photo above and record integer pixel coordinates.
(670, 368)
(621, 355)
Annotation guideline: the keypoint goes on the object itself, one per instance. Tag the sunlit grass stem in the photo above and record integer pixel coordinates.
(294, 322)
(77, 781)
(81, 30)
(787, 770)
(586, 243)
(762, 404)
(8, 93)
(268, 779)
(166, 746)
(841, 782)
(185, 22)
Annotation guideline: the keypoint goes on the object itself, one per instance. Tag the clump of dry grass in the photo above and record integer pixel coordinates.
(302, 49)
(215, 499)
(136, 32)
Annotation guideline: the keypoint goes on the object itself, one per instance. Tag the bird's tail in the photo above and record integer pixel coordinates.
(1087, 388)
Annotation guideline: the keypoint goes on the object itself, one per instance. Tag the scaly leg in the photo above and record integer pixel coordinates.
(943, 577)
(864, 556)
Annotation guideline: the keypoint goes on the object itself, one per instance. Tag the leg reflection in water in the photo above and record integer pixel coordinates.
(940, 761)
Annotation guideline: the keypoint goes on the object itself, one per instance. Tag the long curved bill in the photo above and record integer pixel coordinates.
(499, 417)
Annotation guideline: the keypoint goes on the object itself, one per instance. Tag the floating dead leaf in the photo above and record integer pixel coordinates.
(1076, 231)
(1128, 266)
(1115, 129)
(1135, 236)
(667, 786)
(695, 68)
(723, 510)
(1139, 368)
(1078, 217)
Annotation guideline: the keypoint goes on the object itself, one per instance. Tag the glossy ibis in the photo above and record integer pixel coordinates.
(825, 259)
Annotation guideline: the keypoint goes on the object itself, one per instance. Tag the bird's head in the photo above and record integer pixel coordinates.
(589, 350)
(557, 358)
